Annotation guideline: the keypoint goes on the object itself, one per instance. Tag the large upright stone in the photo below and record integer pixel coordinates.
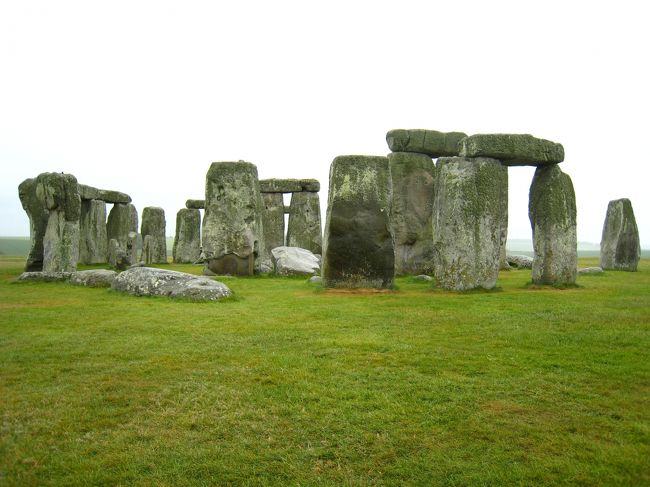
(552, 213)
(513, 149)
(187, 242)
(358, 245)
(38, 216)
(93, 245)
(469, 212)
(273, 220)
(59, 193)
(430, 142)
(412, 177)
(620, 246)
(122, 219)
(153, 224)
(233, 240)
(304, 228)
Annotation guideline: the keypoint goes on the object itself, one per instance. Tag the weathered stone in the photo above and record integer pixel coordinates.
(513, 149)
(412, 177)
(552, 213)
(287, 209)
(122, 219)
(147, 281)
(93, 278)
(470, 206)
(519, 261)
(38, 216)
(429, 142)
(289, 185)
(153, 224)
(187, 242)
(304, 228)
(38, 276)
(233, 240)
(503, 258)
(290, 261)
(93, 245)
(108, 196)
(358, 245)
(423, 277)
(590, 270)
(117, 256)
(315, 280)
(131, 251)
(195, 204)
(273, 220)
(620, 246)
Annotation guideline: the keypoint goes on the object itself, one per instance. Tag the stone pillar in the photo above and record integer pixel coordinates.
(122, 219)
(153, 224)
(304, 229)
(552, 213)
(38, 216)
(273, 220)
(412, 177)
(469, 213)
(358, 245)
(93, 245)
(620, 246)
(187, 242)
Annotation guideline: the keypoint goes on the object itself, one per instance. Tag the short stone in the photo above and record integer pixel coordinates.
(620, 246)
(44, 277)
(590, 270)
(93, 278)
(315, 280)
(423, 277)
(291, 261)
(519, 261)
(513, 149)
(430, 142)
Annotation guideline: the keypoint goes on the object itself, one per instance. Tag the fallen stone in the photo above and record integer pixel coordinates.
(93, 243)
(590, 270)
(423, 277)
(292, 261)
(273, 220)
(620, 246)
(315, 280)
(195, 204)
(38, 216)
(187, 242)
(289, 185)
(90, 193)
(93, 278)
(122, 219)
(429, 142)
(44, 276)
(304, 228)
(513, 149)
(520, 261)
(153, 225)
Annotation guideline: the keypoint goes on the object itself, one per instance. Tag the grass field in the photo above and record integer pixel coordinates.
(291, 385)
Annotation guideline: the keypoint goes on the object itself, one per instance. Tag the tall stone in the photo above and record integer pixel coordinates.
(358, 246)
(122, 219)
(552, 213)
(187, 242)
(93, 245)
(412, 177)
(620, 246)
(273, 220)
(153, 224)
(232, 235)
(59, 193)
(304, 228)
(38, 215)
(469, 213)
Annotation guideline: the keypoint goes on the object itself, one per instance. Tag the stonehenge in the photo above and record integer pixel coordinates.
(304, 228)
(152, 229)
(187, 242)
(38, 215)
(273, 220)
(93, 244)
(620, 247)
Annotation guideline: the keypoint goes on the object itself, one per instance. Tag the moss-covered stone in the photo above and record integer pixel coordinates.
(513, 149)
(122, 219)
(187, 241)
(273, 220)
(93, 245)
(108, 196)
(195, 204)
(304, 228)
(429, 142)
(153, 224)
(38, 215)
(289, 185)
(620, 246)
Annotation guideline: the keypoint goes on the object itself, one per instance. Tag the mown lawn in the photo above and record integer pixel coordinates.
(291, 385)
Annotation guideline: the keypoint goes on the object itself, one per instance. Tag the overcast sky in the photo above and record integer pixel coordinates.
(142, 96)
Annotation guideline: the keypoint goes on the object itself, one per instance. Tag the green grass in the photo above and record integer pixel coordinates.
(289, 385)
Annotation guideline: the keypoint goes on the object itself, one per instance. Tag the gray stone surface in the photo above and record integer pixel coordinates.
(470, 207)
(273, 220)
(117, 256)
(122, 219)
(108, 196)
(412, 177)
(513, 149)
(131, 251)
(315, 280)
(304, 227)
(292, 261)
(195, 204)
(93, 243)
(430, 142)
(187, 242)
(358, 249)
(289, 185)
(552, 213)
(423, 277)
(519, 261)
(147, 281)
(93, 278)
(232, 234)
(39, 276)
(153, 225)
(38, 215)
(590, 270)
(620, 246)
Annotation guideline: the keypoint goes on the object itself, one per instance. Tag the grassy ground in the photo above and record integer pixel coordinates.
(291, 385)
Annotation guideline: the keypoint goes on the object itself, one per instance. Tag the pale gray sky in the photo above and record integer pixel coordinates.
(141, 96)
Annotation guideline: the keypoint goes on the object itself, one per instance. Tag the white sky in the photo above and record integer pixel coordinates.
(141, 96)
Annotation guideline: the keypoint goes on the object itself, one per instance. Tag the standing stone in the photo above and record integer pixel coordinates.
(122, 219)
(233, 240)
(304, 229)
(117, 257)
(59, 193)
(412, 177)
(153, 224)
(470, 207)
(187, 242)
(38, 216)
(358, 246)
(620, 246)
(273, 220)
(93, 246)
(552, 213)
(131, 252)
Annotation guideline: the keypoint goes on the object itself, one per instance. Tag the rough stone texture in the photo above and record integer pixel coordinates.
(470, 207)
(552, 213)
(503, 259)
(117, 256)
(304, 228)
(423, 277)
(153, 224)
(131, 251)
(430, 142)
(358, 246)
(108, 196)
(620, 246)
(233, 240)
(93, 244)
(513, 149)
(58, 192)
(273, 220)
(38, 276)
(412, 177)
(195, 204)
(289, 185)
(147, 281)
(187, 242)
(519, 261)
(93, 278)
(290, 261)
(38, 216)
(122, 219)
(590, 270)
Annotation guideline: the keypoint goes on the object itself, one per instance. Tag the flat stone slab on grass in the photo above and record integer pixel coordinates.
(93, 278)
(429, 142)
(590, 270)
(520, 261)
(38, 276)
(513, 149)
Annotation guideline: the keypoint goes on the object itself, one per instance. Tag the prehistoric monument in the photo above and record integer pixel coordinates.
(187, 242)
(154, 247)
(620, 247)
